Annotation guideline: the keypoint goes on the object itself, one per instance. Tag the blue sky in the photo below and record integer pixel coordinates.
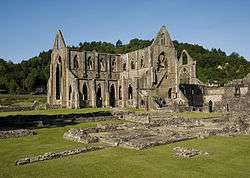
(29, 26)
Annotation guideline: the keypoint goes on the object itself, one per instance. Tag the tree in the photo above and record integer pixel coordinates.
(118, 43)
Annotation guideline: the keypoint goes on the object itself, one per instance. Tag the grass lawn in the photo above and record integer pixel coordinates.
(54, 111)
(197, 115)
(21, 100)
(229, 157)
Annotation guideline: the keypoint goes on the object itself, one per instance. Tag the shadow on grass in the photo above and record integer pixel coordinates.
(57, 120)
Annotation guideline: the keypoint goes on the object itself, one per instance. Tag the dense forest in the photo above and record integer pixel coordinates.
(31, 76)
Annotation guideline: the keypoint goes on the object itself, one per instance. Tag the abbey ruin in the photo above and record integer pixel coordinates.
(150, 78)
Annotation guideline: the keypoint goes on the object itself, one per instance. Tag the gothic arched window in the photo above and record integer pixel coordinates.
(75, 61)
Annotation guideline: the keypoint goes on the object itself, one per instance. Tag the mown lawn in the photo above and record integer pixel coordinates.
(197, 115)
(54, 111)
(21, 100)
(229, 157)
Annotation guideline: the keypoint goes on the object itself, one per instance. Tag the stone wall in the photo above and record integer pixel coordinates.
(16, 133)
(56, 155)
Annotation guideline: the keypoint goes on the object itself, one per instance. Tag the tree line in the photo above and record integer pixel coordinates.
(30, 76)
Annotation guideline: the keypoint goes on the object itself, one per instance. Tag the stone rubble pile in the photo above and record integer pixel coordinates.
(16, 133)
(55, 155)
(158, 130)
(188, 152)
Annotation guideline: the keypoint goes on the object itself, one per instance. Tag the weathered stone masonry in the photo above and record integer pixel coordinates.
(145, 78)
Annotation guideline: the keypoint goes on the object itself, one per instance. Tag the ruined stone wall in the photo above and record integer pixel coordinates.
(91, 79)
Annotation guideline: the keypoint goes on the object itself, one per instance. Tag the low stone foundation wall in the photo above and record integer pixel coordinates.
(55, 155)
(16, 133)
(188, 152)
(16, 108)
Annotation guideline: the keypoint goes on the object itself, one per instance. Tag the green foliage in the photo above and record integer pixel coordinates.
(32, 75)
(214, 64)
(25, 77)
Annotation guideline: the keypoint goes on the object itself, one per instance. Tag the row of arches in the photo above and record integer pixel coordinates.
(91, 65)
(99, 98)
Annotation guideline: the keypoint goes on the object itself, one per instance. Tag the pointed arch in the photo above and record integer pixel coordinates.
(90, 63)
(120, 92)
(99, 96)
(162, 61)
(210, 106)
(130, 92)
(84, 92)
(184, 57)
(132, 64)
(75, 62)
(58, 77)
(70, 92)
(112, 95)
(170, 93)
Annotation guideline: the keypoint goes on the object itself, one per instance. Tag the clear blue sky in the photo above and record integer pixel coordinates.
(29, 26)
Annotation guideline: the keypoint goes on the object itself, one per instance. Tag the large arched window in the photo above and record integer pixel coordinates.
(75, 62)
(162, 61)
(184, 58)
(130, 92)
(84, 92)
(58, 78)
(162, 39)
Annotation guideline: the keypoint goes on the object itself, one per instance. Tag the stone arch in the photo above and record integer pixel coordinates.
(124, 66)
(210, 106)
(58, 77)
(162, 61)
(84, 92)
(184, 57)
(112, 95)
(75, 62)
(170, 93)
(162, 39)
(120, 93)
(99, 96)
(132, 64)
(90, 63)
(237, 90)
(102, 64)
(142, 62)
(113, 64)
(130, 92)
(70, 92)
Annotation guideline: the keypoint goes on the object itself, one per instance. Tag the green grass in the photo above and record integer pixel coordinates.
(133, 109)
(229, 157)
(21, 100)
(197, 115)
(54, 111)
